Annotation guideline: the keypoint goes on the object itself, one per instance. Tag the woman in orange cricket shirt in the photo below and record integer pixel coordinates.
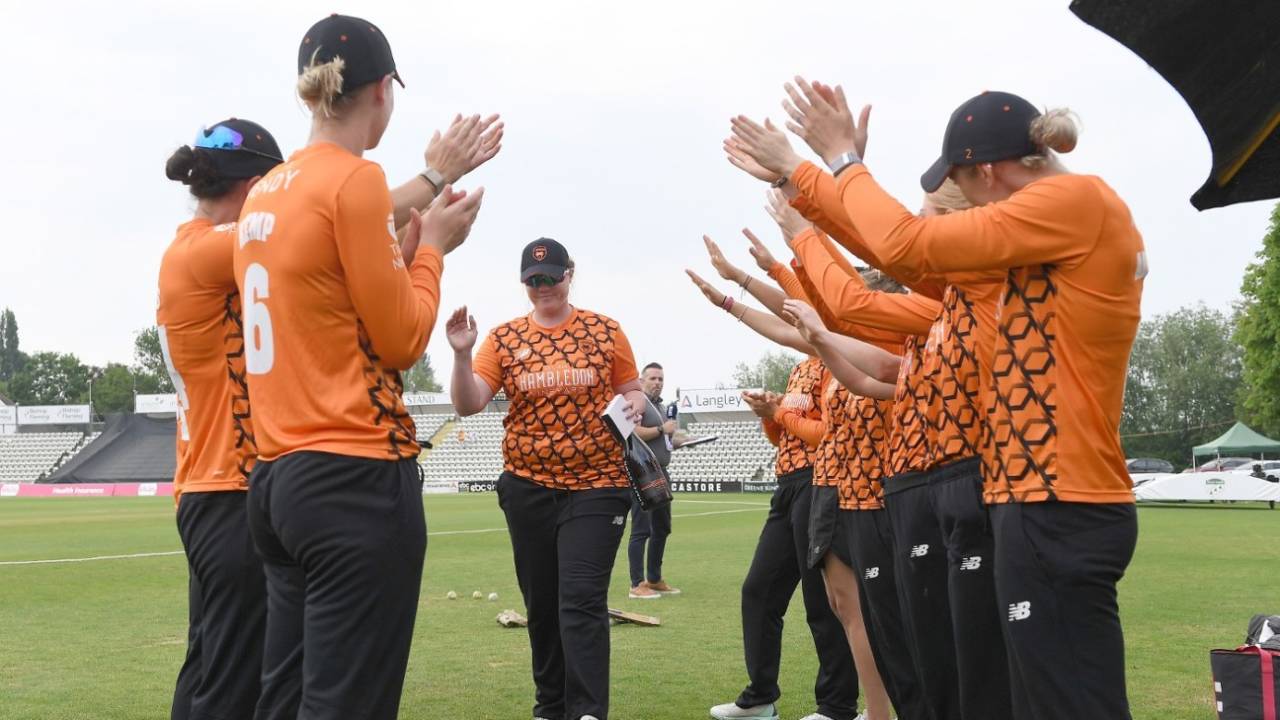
(334, 309)
(564, 490)
(961, 342)
(826, 549)
(201, 337)
(1061, 499)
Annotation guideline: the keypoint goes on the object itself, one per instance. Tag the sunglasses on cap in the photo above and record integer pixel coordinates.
(537, 281)
(221, 137)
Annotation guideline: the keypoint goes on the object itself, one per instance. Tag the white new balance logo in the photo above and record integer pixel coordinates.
(619, 519)
(1019, 610)
(920, 550)
(973, 562)
(872, 573)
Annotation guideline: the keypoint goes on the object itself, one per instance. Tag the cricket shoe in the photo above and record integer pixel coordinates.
(663, 588)
(731, 711)
(643, 592)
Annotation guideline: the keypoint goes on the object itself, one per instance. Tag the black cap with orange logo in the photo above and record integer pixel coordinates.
(544, 256)
(365, 52)
(987, 128)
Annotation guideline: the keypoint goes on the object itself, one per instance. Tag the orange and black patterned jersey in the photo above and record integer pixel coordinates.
(558, 381)
(332, 312)
(958, 367)
(862, 489)
(836, 451)
(804, 397)
(202, 339)
(1065, 323)
(909, 422)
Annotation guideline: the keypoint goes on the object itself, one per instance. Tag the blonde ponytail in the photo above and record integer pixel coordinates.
(320, 86)
(1056, 131)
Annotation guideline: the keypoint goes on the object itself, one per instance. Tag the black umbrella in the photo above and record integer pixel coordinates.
(1223, 57)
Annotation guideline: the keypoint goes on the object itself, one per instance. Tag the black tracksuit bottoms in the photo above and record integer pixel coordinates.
(981, 661)
(1057, 566)
(871, 547)
(565, 543)
(343, 540)
(777, 567)
(227, 609)
(920, 568)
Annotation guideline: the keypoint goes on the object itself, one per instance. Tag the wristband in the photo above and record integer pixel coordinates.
(727, 304)
(433, 178)
(779, 183)
(843, 161)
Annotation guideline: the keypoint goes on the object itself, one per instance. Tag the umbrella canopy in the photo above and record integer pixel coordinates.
(1239, 439)
(1223, 57)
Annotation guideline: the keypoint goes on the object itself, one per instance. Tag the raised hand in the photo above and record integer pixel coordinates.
(714, 296)
(766, 144)
(744, 162)
(461, 331)
(724, 268)
(758, 402)
(804, 318)
(448, 220)
(789, 220)
(764, 259)
(821, 117)
(465, 145)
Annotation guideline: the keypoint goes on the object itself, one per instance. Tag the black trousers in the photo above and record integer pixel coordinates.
(1057, 565)
(777, 567)
(650, 528)
(920, 567)
(871, 548)
(981, 662)
(343, 540)
(227, 609)
(565, 543)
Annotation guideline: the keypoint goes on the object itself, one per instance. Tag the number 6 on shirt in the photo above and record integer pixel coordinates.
(260, 353)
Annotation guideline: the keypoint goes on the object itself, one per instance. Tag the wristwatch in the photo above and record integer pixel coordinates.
(843, 161)
(780, 182)
(433, 178)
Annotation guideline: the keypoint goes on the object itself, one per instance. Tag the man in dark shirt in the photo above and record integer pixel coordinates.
(651, 527)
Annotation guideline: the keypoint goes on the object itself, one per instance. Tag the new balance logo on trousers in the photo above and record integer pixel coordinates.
(872, 573)
(1019, 610)
(920, 550)
(973, 562)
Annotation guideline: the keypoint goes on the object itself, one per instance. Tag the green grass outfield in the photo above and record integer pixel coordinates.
(104, 639)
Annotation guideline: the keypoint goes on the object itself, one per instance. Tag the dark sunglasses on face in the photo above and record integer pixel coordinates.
(537, 281)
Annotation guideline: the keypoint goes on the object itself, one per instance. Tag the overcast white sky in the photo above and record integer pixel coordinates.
(614, 113)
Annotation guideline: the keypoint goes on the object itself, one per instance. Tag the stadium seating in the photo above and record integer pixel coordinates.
(472, 452)
(25, 457)
(742, 454)
(429, 425)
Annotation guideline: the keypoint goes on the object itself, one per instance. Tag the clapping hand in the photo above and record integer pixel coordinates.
(821, 117)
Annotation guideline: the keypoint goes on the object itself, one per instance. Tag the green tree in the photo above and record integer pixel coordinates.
(422, 377)
(11, 357)
(1184, 375)
(50, 378)
(113, 389)
(769, 372)
(150, 374)
(1258, 332)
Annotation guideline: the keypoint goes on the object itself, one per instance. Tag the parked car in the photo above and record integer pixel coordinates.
(1148, 465)
(1222, 464)
(1264, 469)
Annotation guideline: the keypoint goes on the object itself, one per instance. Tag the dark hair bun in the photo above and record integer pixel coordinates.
(196, 170)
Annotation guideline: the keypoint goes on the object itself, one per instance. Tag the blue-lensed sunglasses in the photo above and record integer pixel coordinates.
(221, 137)
(537, 281)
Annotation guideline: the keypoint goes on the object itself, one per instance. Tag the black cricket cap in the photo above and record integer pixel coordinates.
(364, 50)
(986, 128)
(255, 153)
(543, 256)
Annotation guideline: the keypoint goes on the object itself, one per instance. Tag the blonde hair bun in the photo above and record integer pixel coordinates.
(1057, 129)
